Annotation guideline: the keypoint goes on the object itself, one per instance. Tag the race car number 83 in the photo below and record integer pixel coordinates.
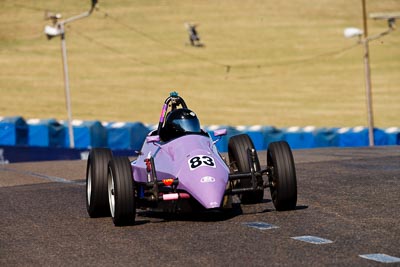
(201, 160)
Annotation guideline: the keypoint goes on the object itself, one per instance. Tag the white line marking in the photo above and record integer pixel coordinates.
(380, 258)
(46, 177)
(260, 225)
(313, 239)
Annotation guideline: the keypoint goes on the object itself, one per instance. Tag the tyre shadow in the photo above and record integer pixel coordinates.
(205, 216)
(202, 216)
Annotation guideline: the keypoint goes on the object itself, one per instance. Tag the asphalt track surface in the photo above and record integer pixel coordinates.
(350, 197)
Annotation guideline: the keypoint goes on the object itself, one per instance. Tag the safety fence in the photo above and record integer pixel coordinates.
(20, 137)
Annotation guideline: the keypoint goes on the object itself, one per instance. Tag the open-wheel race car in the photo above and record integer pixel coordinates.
(179, 169)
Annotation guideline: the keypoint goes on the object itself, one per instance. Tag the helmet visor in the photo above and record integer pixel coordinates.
(187, 125)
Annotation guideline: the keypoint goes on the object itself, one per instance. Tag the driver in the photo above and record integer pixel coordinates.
(180, 122)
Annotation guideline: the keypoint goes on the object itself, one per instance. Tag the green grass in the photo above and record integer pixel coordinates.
(289, 62)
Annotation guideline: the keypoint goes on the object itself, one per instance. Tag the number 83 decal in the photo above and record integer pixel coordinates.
(201, 160)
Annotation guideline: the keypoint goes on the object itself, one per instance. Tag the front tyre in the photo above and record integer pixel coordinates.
(238, 147)
(283, 176)
(96, 182)
(121, 196)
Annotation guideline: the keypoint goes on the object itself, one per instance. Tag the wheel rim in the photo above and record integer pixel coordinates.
(274, 191)
(273, 179)
(89, 185)
(111, 193)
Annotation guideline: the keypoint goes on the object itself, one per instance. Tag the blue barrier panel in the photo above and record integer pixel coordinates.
(358, 137)
(46, 133)
(380, 137)
(130, 136)
(272, 134)
(87, 134)
(299, 138)
(121, 135)
(393, 135)
(256, 135)
(13, 131)
(353, 137)
(325, 137)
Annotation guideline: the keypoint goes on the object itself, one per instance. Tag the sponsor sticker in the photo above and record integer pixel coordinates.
(207, 179)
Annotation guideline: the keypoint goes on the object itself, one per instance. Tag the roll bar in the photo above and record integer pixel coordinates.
(173, 101)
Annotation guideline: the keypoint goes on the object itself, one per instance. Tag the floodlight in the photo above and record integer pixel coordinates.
(352, 32)
(51, 31)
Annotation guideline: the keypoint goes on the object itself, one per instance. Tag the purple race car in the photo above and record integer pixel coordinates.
(179, 169)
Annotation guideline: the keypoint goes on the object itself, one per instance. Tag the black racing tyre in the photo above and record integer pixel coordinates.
(96, 182)
(283, 176)
(121, 192)
(238, 157)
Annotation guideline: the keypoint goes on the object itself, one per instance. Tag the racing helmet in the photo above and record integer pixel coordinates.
(180, 122)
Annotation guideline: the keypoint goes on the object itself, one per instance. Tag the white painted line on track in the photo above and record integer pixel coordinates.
(46, 177)
(380, 258)
(313, 239)
(260, 225)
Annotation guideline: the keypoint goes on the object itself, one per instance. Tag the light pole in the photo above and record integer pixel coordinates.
(364, 39)
(59, 30)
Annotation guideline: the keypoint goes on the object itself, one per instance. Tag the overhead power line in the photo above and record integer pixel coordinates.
(129, 57)
(295, 61)
(164, 44)
(227, 67)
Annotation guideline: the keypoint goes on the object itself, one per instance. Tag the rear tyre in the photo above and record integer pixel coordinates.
(283, 176)
(238, 157)
(96, 182)
(121, 196)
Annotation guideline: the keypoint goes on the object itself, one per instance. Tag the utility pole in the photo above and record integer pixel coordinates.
(367, 75)
(364, 39)
(59, 30)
